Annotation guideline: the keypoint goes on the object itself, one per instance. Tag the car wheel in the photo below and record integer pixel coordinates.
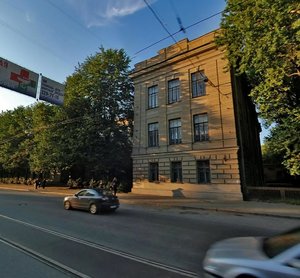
(67, 205)
(93, 208)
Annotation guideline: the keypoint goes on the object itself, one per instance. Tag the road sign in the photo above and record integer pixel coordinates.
(17, 78)
(52, 91)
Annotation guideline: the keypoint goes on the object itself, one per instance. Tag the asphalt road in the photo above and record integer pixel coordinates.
(37, 236)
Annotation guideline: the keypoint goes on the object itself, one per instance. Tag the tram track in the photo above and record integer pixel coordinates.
(74, 273)
(43, 259)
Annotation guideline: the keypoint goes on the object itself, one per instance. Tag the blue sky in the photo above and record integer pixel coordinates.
(52, 36)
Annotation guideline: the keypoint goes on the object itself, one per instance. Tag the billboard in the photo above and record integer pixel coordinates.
(51, 91)
(17, 78)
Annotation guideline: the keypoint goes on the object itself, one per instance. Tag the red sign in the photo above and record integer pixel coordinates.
(17, 78)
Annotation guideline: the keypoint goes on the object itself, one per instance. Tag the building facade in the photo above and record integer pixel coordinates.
(196, 132)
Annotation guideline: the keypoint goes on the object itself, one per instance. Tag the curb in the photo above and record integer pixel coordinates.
(159, 203)
(232, 211)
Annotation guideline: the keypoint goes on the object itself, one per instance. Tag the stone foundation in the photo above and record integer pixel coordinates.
(184, 190)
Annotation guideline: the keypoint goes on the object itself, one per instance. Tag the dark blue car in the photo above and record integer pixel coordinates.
(92, 200)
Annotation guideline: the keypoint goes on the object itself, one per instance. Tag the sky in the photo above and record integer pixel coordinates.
(52, 36)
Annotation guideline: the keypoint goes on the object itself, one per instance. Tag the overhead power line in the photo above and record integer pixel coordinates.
(161, 23)
(159, 20)
(73, 19)
(33, 41)
(178, 18)
(172, 35)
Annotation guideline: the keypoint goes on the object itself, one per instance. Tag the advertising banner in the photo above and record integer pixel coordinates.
(52, 91)
(17, 78)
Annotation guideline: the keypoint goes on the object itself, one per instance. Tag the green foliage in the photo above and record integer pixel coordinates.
(270, 155)
(283, 144)
(43, 157)
(98, 112)
(90, 136)
(262, 39)
(26, 140)
(16, 140)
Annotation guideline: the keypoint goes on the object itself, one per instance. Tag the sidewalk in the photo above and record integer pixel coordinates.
(237, 207)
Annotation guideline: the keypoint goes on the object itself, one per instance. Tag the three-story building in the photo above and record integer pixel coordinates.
(196, 132)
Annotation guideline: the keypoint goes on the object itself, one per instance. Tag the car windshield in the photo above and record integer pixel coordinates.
(275, 245)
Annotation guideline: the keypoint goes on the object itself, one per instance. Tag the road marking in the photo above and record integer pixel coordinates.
(180, 271)
(44, 259)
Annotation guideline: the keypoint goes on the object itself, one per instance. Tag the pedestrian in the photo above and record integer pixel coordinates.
(101, 184)
(44, 183)
(114, 185)
(37, 183)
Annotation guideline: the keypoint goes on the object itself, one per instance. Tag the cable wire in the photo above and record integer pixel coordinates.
(189, 26)
(33, 41)
(73, 19)
(159, 20)
(170, 35)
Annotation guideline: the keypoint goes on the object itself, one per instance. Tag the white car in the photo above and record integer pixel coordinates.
(255, 257)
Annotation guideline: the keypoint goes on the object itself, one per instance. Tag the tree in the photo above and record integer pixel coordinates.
(98, 111)
(16, 141)
(27, 141)
(89, 136)
(284, 143)
(43, 156)
(262, 39)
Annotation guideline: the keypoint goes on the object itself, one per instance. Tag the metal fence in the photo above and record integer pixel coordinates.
(271, 193)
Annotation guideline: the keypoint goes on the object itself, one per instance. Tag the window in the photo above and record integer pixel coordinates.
(176, 172)
(152, 97)
(203, 171)
(173, 91)
(153, 135)
(82, 193)
(90, 193)
(153, 172)
(200, 127)
(198, 84)
(275, 245)
(175, 131)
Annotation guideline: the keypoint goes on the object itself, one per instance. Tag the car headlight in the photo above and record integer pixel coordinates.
(105, 198)
(211, 267)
